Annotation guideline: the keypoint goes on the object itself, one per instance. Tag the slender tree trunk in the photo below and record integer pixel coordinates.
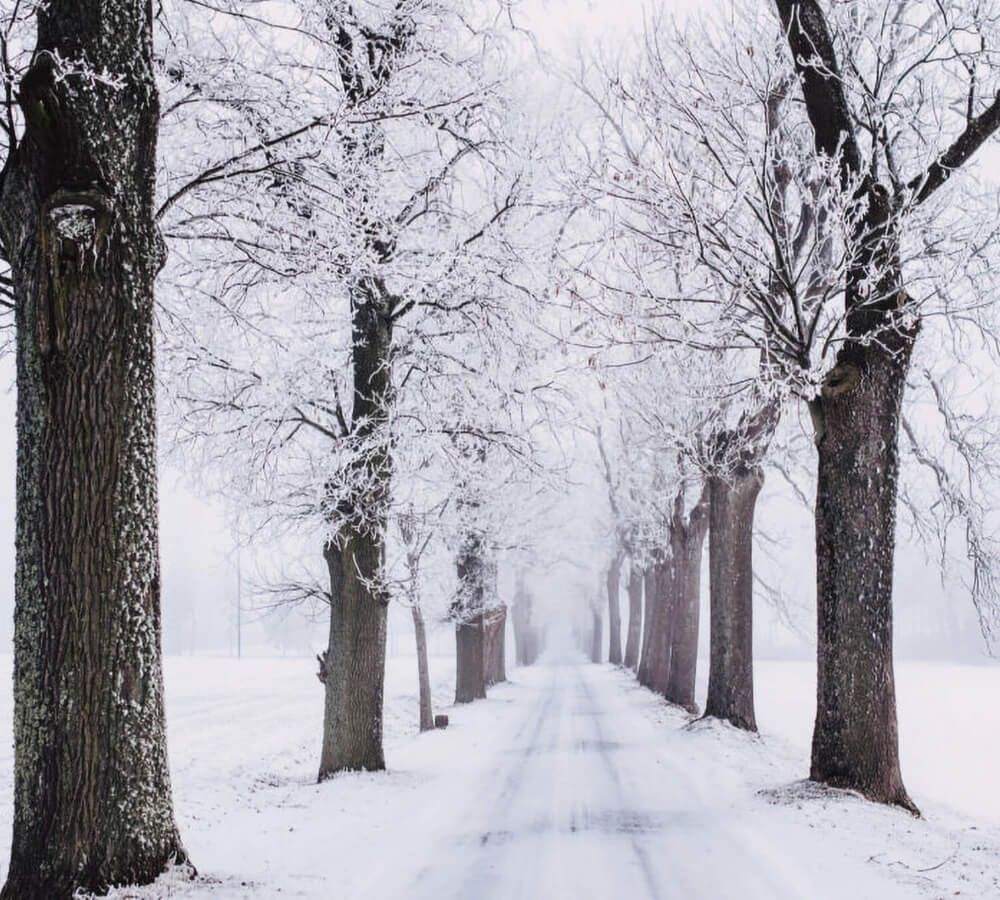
(423, 670)
(648, 617)
(494, 663)
(855, 741)
(732, 501)
(521, 619)
(469, 681)
(687, 541)
(634, 617)
(596, 636)
(614, 611)
(352, 723)
(92, 804)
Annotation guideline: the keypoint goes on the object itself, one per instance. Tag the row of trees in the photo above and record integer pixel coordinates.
(776, 208)
(386, 300)
(342, 197)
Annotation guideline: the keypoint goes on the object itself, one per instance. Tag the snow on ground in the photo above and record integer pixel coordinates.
(949, 722)
(570, 782)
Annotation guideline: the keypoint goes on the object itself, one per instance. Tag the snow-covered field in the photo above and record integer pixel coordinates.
(570, 782)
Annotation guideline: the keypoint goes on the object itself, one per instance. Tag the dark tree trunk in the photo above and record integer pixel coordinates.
(684, 633)
(596, 636)
(495, 649)
(855, 741)
(856, 418)
(469, 681)
(470, 623)
(687, 541)
(614, 611)
(355, 554)
(650, 589)
(92, 805)
(352, 721)
(634, 617)
(732, 501)
(661, 639)
(423, 670)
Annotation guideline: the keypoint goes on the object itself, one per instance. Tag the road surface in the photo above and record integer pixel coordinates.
(584, 795)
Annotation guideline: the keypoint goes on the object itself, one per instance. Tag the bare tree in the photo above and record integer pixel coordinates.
(857, 410)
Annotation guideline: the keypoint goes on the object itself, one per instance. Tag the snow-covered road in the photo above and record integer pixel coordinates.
(569, 783)
(581, 796)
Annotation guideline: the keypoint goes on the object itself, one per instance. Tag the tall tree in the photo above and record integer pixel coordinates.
(856, 413)
(349, 229)
(92, 804)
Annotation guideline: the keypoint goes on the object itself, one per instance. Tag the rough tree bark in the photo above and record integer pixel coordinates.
(495, 646)
(635, 581)
(423, 670)
(686, 541)
(855, 742)
(92, 804)
(352, 720)
(614, 578)
(732, 501)
(856, 419)
(469, 681)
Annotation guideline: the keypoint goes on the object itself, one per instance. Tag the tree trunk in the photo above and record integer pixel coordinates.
(648, 617)
(634, 617)
(686, 541)
(469, 681)
(352, 721)
(355, 557)
(855, 741)
(732, 500)
(470, 622)
(521, 619)
(596, 636)
(614, 611)
(664, 615)
(495, 646)
(92, 804)
(423, 671)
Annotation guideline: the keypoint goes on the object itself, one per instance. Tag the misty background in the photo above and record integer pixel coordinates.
(210, 601)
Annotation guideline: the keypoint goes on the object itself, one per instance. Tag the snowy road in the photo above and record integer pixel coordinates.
(569, 783)
(585, 798)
